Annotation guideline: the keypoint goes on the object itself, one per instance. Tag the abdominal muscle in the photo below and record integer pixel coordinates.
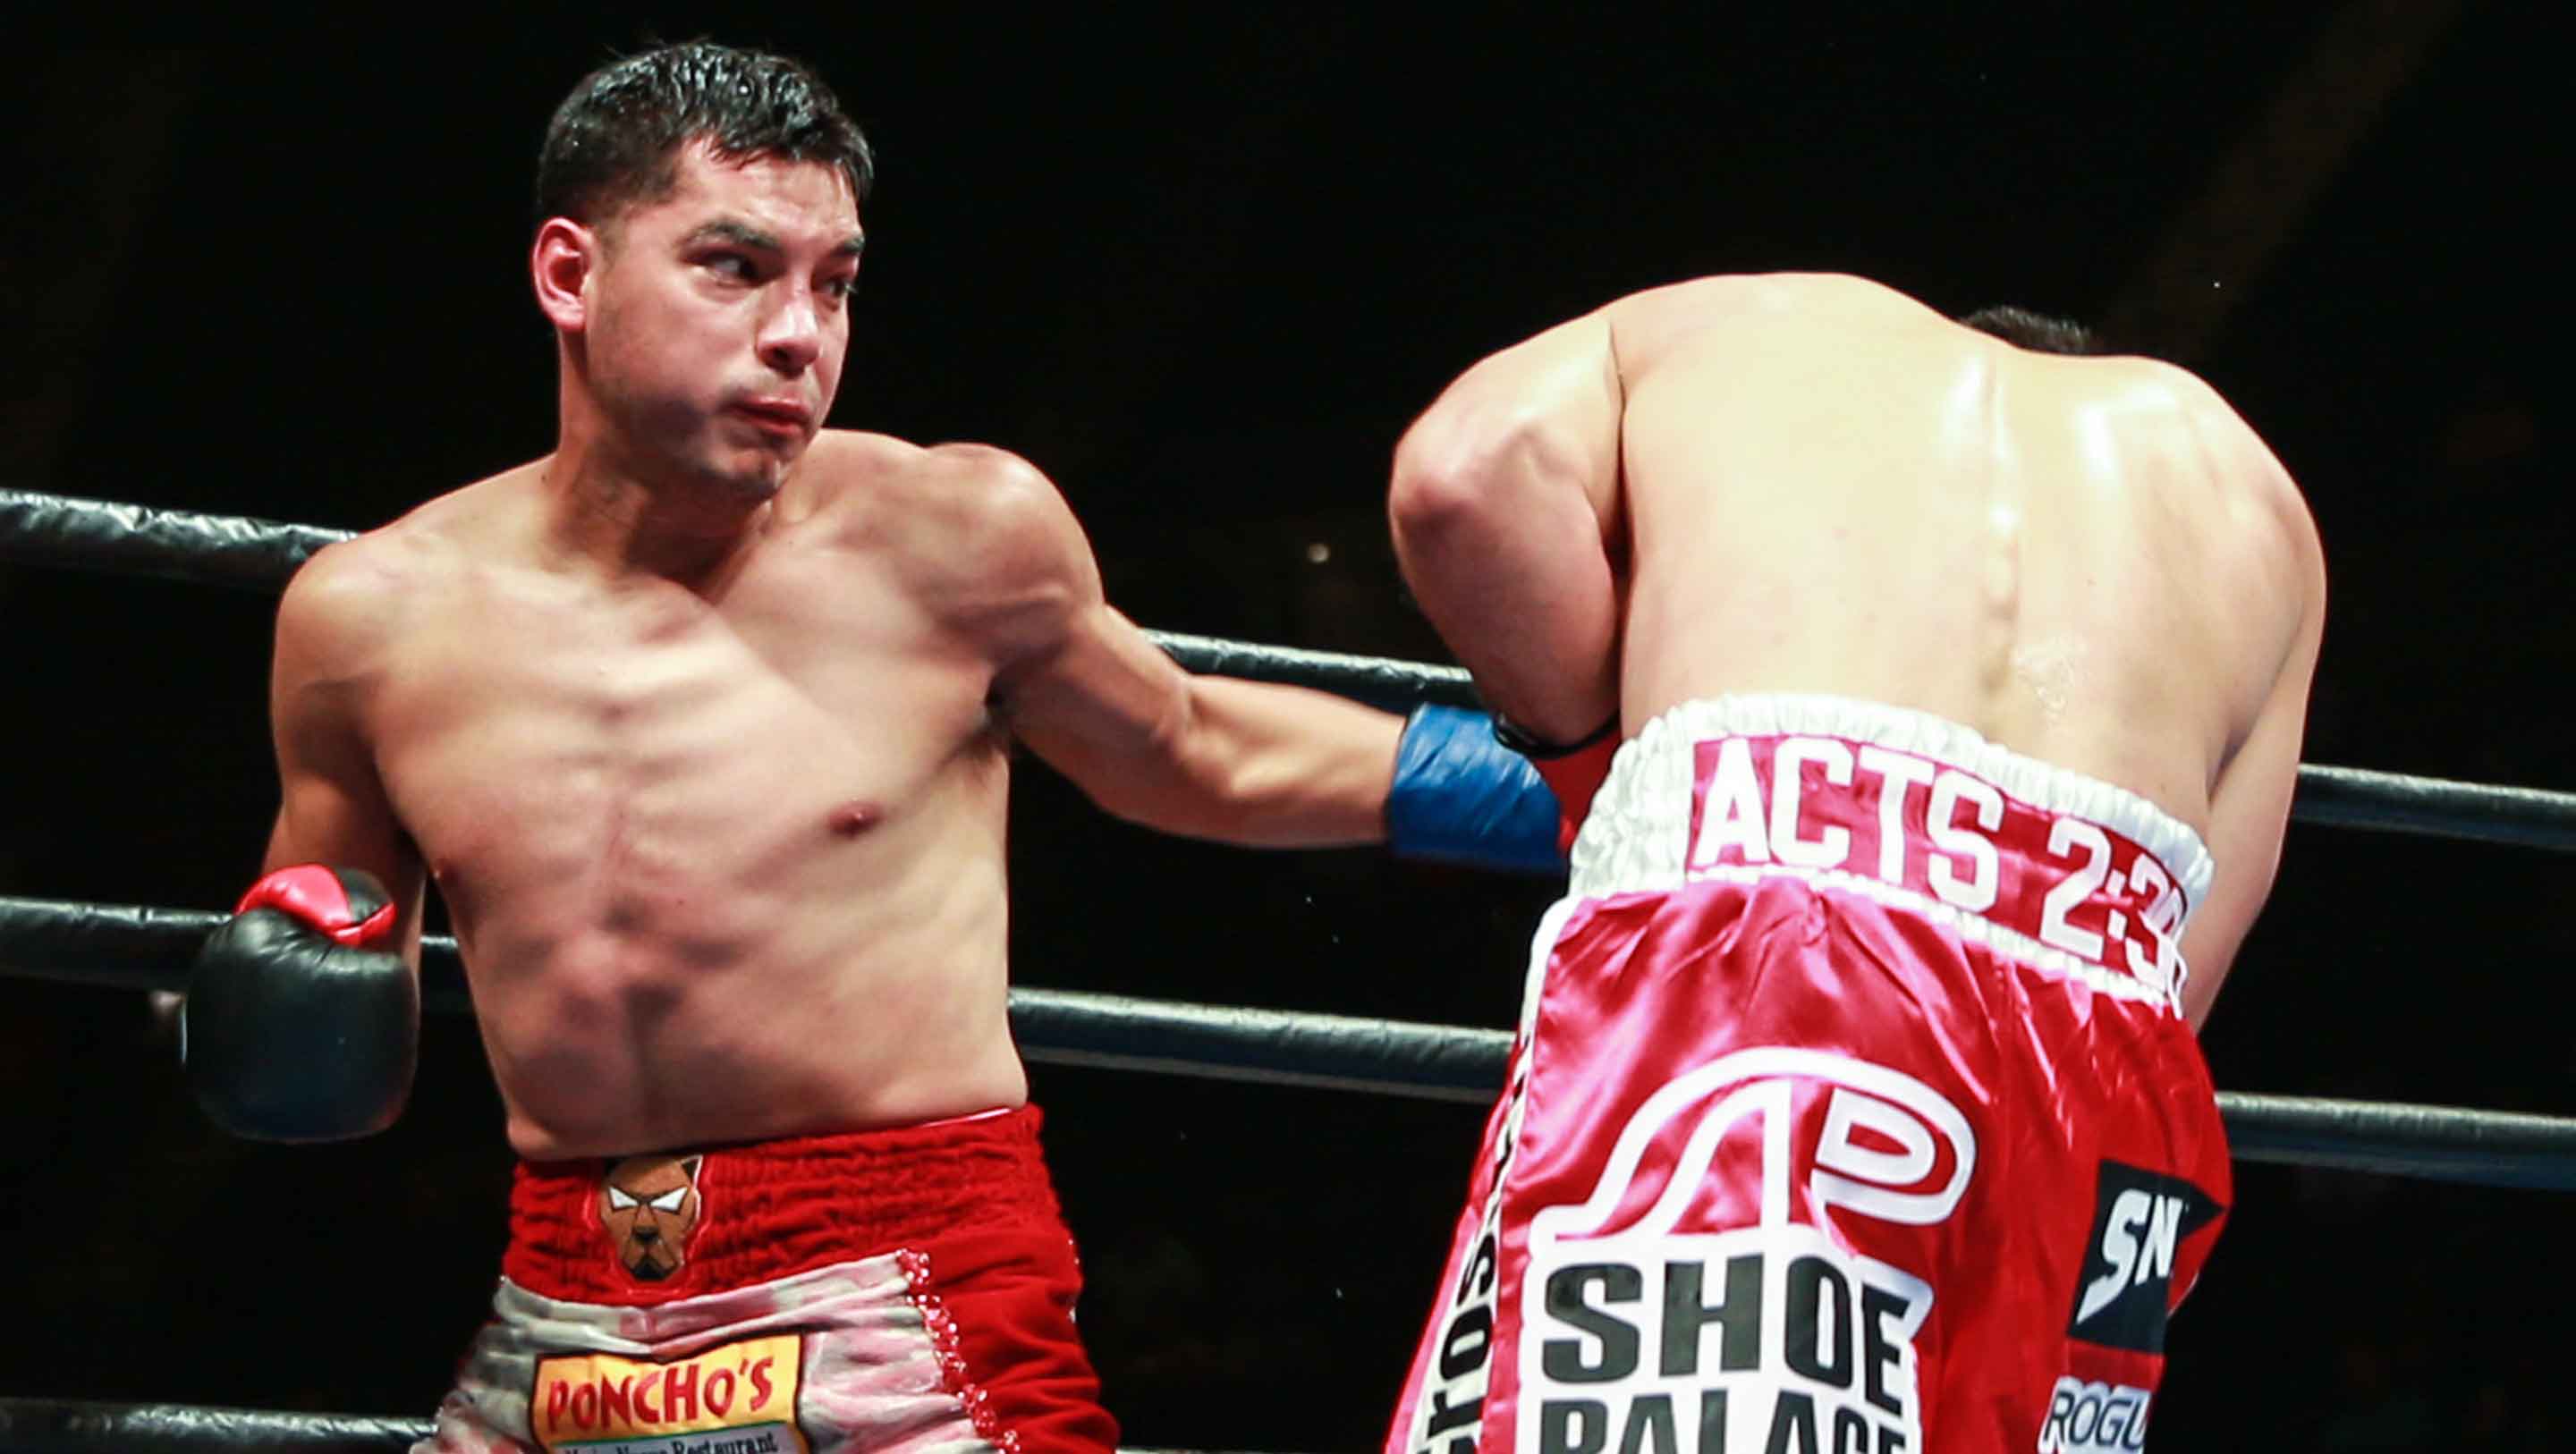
(708, 890)
(794, 1014)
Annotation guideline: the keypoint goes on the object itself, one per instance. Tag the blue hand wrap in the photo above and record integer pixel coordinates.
(1461, 796)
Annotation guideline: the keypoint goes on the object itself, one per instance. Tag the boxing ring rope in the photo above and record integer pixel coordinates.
(135, 946)
(146, 947)
(74, 1426)
(65, 532)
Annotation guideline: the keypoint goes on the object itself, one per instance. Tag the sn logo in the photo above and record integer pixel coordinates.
(2139, 1243)
(2139, 1219)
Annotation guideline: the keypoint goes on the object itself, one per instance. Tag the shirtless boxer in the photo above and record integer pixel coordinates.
(1955, 690)
(700, 723)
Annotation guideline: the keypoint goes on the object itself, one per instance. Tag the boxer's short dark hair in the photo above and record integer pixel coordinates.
(616, 140)
(2038, 332)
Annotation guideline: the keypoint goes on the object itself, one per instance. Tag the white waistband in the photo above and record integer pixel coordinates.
(1637, 836)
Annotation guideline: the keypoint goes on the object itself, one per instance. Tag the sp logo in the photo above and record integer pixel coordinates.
(1661, 1305)
(1918, 1135)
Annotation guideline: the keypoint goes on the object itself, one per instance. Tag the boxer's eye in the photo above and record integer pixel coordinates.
(618, 1200)
(670, 1201)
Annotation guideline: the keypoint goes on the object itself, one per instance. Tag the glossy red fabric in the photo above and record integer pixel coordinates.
(1574, 779)
(964, 1208)
(1798, 1154)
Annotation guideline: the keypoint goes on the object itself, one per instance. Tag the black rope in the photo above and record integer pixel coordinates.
(70, 1426)
(228, 550)
(135, 947)
(177, 545)
(2352, 797)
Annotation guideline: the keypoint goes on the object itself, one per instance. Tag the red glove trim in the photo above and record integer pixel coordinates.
(347, 905)
(1574, 778)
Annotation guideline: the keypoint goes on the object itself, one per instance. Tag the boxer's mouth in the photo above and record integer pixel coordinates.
(777, 416)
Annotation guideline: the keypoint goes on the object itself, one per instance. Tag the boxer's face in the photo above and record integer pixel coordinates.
(718, 318)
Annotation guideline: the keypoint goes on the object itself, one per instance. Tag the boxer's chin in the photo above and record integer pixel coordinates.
(746, 476)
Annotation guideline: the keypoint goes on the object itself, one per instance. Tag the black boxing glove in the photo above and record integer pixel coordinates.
(294, 1029)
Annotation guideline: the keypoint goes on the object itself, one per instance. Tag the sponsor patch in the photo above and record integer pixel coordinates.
(737, 1399)
(2094, 1418)
(1452, 1404)
(650, 1206)
(1928, 831)
(2139, 1218)
(1640, 1337)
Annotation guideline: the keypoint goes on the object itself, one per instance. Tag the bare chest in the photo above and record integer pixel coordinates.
(663, 742)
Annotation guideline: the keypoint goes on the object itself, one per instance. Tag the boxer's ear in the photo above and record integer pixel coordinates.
(689, 1167)
(563, 262)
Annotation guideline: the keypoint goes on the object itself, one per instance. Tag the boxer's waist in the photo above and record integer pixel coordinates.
(1917, 811)
(652, 1229)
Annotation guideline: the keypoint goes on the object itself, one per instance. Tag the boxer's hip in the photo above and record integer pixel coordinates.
(2044, 866)
(1849, 1066)
(887, 1289)
(658, 1229)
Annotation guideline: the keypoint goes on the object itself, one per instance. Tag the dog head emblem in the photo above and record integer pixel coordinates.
(650, 1205)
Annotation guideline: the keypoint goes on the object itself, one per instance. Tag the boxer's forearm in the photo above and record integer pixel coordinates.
(1271, 766)
(1210, 757)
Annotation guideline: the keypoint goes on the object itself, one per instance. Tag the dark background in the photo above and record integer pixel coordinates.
(1202, 270)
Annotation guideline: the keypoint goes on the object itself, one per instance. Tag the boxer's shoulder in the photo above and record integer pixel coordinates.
(361, 590)
(952, 516)
(1728, 319)
(1814, 298)
(357, 589)
(858, 480)
(2232, 455)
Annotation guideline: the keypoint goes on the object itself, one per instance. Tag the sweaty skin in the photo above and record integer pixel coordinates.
(700, 723)
(1815, 484)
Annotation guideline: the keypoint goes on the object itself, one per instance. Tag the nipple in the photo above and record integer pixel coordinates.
(853, 818)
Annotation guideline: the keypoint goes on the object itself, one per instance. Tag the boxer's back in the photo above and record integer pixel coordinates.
(1833, 489)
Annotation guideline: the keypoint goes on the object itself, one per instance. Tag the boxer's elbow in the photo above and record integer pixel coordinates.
(1459, 470)
(1434, 489)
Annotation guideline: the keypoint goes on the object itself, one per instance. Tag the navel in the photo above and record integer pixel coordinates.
(854, 817)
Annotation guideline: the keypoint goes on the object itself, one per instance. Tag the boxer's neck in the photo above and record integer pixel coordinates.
(623, 525)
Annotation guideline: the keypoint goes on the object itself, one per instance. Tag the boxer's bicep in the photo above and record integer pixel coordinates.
(333, 807)
(1096, 699)
(1507, 515)
(999, 561)
(1104, 706)
(1011, 572)
(2249, 817)
(1213, 757)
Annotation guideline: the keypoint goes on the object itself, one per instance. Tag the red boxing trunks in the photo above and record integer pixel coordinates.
(1851, 1110)
(893, 1290)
